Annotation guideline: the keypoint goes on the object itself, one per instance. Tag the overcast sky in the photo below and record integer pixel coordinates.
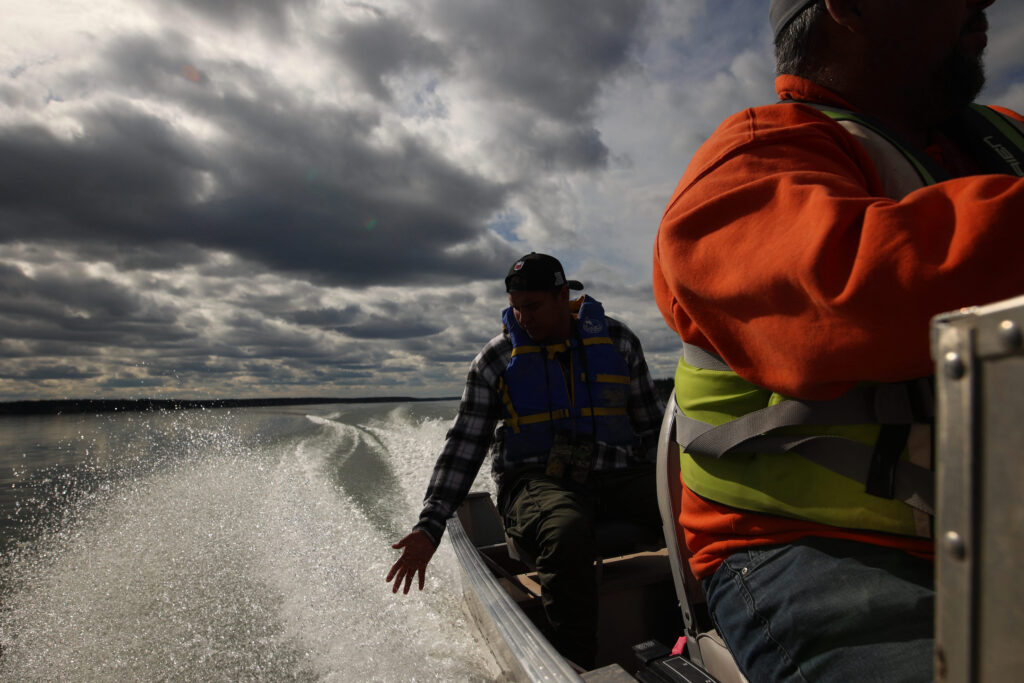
(235, 198)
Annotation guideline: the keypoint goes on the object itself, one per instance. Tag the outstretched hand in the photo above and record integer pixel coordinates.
(417, 549)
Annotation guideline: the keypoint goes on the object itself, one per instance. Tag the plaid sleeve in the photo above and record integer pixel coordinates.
(646, 409)
(645, 406)
(467, 441)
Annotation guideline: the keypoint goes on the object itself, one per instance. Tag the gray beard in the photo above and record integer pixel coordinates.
(956, 83)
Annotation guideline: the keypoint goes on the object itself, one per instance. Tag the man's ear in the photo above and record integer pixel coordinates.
(847, 13)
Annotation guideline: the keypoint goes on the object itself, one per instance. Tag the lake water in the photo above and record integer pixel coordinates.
(228, 544)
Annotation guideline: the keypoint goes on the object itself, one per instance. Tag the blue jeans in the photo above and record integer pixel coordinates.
(825, 609)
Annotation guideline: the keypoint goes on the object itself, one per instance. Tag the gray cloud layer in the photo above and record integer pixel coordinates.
(251, 198)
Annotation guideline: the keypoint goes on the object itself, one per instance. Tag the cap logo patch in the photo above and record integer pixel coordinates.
(518, 265)
(559, 279)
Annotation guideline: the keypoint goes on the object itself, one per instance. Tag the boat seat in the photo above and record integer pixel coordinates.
(704, 645)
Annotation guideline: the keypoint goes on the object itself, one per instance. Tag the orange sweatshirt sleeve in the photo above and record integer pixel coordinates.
(780, 252)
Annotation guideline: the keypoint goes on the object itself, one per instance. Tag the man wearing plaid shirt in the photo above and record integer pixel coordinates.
(549, 500)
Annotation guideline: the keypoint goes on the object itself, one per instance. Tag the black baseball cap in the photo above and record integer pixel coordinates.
(537, 273)
(781, 12)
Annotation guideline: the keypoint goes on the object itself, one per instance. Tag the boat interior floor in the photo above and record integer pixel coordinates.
(636, 594)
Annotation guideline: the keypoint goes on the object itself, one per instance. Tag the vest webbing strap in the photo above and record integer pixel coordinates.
(911, 484)
(607, 379)
(902, 403)
(924, 169)
(705, 360)
(559, 347)
(1000, 140)
(520, 350)
(551, 350)
(590, 341)
(995, 140)
(541, 417)
(512, 422)
(927, 168)
(564, 414)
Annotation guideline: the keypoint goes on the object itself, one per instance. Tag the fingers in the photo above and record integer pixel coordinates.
(394, 570)
(417, 549)
(397, 572)
(403, 573)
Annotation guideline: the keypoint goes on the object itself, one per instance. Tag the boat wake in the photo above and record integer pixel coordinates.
(251, 554)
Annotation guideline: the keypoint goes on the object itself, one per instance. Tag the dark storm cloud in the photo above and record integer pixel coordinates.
(325, 317)
(553, 56)
(53, 372)
(433, 352)
(272, 14)
(388, 328)
(40, 348)
(389, 321)
(384, 46)
(193, 218)
(312, 197)
(132, 382)
(250, 334)
(74, 309)
(578, 148)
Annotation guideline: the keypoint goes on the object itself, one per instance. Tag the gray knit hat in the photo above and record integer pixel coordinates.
(781, 12)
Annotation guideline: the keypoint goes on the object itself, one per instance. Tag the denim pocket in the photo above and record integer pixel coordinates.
(761, 554)
(745, 561)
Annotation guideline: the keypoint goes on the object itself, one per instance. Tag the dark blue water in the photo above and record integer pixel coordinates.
(241, 544)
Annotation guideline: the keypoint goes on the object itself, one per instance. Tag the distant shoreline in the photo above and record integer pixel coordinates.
(67, 406)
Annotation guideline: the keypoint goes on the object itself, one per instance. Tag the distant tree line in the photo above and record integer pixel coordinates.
(58, 407)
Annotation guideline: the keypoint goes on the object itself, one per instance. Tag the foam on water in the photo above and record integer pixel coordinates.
(242, 557)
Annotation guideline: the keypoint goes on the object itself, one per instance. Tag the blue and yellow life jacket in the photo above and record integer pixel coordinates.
(588, 400)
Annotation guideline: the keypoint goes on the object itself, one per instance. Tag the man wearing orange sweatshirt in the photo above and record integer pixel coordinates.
(800, 259)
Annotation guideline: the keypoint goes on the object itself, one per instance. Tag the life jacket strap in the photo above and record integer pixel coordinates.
(562, 414)
(550, 349)
(520, 350)
(512, 421)
(536, 418)
(590, 341)
(606, 379)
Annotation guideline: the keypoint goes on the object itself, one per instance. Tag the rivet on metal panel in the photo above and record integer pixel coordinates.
(955, 545)
(954, 365)
(1010, 335)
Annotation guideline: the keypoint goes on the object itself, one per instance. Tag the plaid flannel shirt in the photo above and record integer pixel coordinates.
(478, 428)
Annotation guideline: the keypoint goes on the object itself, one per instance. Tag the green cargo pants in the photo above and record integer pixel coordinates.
(554, 522)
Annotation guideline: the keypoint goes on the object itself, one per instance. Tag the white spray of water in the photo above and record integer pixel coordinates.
(240, 563)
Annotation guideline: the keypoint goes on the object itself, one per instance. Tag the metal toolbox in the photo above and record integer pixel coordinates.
(979, 525)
